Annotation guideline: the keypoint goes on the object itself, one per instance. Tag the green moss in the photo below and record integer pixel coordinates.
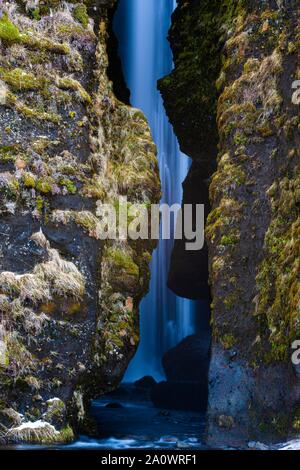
(94, 188)
(29, 180)
(45, 6)
(231, 300)
(40, 203)
(44, 185)
(80, 15)
(45, 44)
(8, 152)
(69, 184)
(71, 29)
(117, 341)
(229, 173)
(229, 240)
(122, 261)
(8, 31)
(228, 341)
(292, 48)
(296, 420)
(240, 139)
(31, 113)
(68, 83)
(35, 14)
(120, 325)
(11, 188)
(222, 218)
(276, 423)
(277, 279)
(86, 220)
(66, 434)
(19, 79)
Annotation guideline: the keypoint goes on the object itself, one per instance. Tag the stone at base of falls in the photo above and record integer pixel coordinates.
(186, 369)
(145, 383)
(187, 396)
(114, 405)
(189, 360)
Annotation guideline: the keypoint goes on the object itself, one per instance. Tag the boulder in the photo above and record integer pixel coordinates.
(186, 369)
(189, 360)
(146, 382)
(114, 405)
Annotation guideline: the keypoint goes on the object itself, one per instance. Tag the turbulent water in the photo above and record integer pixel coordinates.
(142, 28)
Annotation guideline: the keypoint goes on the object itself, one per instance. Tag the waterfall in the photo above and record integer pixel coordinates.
(142, 27)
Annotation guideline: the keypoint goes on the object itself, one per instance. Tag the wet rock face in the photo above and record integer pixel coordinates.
(253, 228)
(68, 299)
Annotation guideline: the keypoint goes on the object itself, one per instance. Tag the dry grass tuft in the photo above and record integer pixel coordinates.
(54, 278)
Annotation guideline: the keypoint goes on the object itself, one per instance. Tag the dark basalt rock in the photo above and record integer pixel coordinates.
(188, 396)
(188, 361)
(188, 273)
(114, 405)
(146, 382)
(186, 369)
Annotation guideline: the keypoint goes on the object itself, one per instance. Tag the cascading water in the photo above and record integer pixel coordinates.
(142, 27)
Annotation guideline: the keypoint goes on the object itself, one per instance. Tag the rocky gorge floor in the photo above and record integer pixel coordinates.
(127, 419)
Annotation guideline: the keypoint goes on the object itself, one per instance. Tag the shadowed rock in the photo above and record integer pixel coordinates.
(186, 369)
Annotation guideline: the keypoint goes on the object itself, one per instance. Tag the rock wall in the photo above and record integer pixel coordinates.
(68, 299)
(239, 60)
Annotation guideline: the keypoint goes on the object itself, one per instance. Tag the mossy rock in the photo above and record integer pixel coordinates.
(8, 31)
(80, 14)
(122, 261)
(19, 79)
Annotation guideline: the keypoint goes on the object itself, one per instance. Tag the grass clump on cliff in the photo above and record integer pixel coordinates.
(54, 278)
